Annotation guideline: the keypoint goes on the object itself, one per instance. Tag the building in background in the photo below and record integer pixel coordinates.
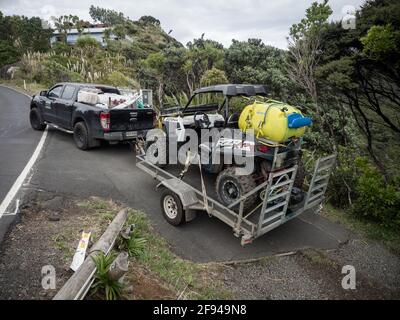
(95, 31)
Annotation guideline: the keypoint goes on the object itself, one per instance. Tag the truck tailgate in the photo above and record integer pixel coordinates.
(131, 119)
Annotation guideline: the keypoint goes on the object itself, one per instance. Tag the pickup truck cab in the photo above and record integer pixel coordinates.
(89, 123)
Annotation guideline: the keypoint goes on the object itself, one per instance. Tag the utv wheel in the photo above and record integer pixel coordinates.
(36, 120)
(171, 207)
(81, 136)
(230, 187)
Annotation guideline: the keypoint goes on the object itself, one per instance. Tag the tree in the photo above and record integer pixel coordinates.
(212, 77)
(106, 16)
(155, 65)
(19, 34)
(254, 62)
(150, 20)
(65, 23)
(362, 68)
(202, 55)
(304, 48)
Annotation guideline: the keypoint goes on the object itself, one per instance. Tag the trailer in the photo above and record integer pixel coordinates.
(275, 205)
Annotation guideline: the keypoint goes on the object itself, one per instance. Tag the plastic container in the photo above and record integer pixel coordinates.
(273, 120)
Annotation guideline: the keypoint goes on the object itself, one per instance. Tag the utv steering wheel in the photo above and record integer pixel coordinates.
(202, 123)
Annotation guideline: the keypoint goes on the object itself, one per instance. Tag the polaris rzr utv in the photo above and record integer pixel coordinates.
(259, 119)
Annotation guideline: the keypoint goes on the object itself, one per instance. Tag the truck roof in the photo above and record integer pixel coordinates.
(79, 84)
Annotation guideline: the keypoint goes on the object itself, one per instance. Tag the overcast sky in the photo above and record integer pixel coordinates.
(221, 20)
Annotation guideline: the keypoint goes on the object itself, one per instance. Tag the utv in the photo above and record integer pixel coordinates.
(275, 129)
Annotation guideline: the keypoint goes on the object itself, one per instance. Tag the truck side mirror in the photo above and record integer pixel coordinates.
(43, 93)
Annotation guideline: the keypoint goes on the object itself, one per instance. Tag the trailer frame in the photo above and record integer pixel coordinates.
(275, 203)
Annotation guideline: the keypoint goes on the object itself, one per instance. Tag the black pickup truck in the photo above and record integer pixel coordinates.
(90, 123)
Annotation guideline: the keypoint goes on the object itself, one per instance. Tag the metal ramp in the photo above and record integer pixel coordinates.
(276, 200)
(319, 181)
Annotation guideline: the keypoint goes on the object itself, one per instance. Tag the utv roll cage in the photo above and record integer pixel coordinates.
(229, 91)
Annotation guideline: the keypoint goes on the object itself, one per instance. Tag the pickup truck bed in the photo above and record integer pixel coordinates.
(89, 123)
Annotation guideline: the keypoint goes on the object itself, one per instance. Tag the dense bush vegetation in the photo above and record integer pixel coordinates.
(346, 80)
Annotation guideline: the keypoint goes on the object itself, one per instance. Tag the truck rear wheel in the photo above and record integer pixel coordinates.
(81, 136)
(172, 208)
(36, 120)
(230, 187)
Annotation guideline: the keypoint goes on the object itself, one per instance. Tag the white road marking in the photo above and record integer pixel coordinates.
(21, 178)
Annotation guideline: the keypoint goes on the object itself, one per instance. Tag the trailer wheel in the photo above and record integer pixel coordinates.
(172, 208)
(230, 187)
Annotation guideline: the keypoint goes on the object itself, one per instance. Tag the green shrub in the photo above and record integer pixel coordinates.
(102, 281)
(376, 198)
(118, 79)
(212, 77)
(342, 183)
(87, 41)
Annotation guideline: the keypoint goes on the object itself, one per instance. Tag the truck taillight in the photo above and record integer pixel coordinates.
(105, 121)
(262, 148)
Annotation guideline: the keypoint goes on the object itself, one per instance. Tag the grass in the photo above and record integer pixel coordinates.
(31, 87)
(317, 257)
(185, 279)
(367, 229)
(181, 275)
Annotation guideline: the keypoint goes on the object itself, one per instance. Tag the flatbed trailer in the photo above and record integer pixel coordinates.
(273, 209)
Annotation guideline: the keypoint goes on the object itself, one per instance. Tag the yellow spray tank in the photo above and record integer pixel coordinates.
(273, 120)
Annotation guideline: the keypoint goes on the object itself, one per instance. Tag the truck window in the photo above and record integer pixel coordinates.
(68, 93)
(55, 92)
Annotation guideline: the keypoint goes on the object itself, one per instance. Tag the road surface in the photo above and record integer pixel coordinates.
(110, 172)
(17, 142)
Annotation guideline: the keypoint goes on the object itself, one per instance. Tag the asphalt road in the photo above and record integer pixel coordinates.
(17, 142)
(110, 172)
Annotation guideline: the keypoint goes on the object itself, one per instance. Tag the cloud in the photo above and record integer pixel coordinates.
(221, 20)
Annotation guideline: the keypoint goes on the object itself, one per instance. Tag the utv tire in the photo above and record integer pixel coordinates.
(36, 120)
(81, 136)
(230, 187)
(172, 208)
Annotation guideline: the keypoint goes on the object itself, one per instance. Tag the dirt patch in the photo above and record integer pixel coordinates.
(46, 233)
(146, 285)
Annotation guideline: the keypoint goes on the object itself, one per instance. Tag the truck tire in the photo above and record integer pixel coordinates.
(231, 187)
(172, 208)
(81, 136)
(36, 120)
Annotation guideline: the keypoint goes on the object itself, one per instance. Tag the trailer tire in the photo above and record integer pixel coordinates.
(172, 208)
(231, 187)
